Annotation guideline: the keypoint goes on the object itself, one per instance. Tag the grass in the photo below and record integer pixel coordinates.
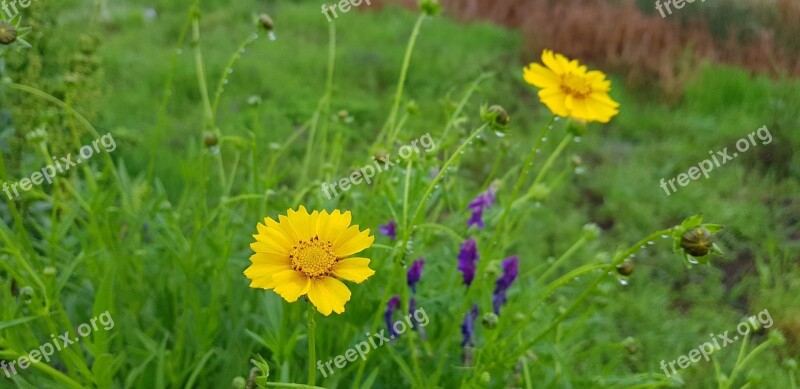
(158, 234)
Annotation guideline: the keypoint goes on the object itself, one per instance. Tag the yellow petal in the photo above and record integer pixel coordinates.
(328, 295)
(271, 232)
(353, 269)
(275, 262)
(263, 283)
(549, 60)
(268, 247)
(300, 221)
(554, 99)
(291, 284)
(540, 76)
(352, 241)
(330, 226)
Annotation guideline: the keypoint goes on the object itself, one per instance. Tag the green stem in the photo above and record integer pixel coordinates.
(388, 128)
(312, 350)
(291, 385)
(500, 229)
(201, 72)
(577, 245)
(753, 354)
(228, 69)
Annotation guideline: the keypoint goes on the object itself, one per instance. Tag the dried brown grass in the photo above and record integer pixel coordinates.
(646, 48)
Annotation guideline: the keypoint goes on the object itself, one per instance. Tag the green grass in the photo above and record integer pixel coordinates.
(163, 250)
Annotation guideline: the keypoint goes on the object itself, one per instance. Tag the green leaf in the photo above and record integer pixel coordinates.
(692, 221)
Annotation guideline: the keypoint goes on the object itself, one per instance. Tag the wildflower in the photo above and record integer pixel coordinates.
(8, 34)
(510, 271)
(569, 89)
(389, 229)
(415, 273)
(391, 306)
(306, 253)
(467, 258)
(480, 204)
(468, 326)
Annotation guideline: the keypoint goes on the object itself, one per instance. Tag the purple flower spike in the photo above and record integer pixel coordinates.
(393, 304)
(480, 204)
(467, 258)
(468, 326)
(390, 229)
(510, 272)
(415, 273)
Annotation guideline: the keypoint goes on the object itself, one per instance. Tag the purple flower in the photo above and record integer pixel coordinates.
(389, 229)
(480, 204)
(510, 272)
(468, 326)
(394, 303)
(415, 273)
(467, 258)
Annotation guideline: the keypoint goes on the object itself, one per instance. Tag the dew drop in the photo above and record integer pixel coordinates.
(230, 71)
(623, 282)
(499, 134)
(693, 261)
(578, 139)
(272, 36)
(650, 243)
(545, 138)
(557, 118)
(665, 236)
(225, 81)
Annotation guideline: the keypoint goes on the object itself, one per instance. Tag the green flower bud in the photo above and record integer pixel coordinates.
(486, 378)
(697, 242)
(490, 320)
(430, 7)
(591, 231)
(496, 117)
(8, 34)
(266, 22)
(626, 268)
(239, 383)
(210, 139)
(777, 338)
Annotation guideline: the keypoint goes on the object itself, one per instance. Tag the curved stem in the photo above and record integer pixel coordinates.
(201, 72)
(500, 229)
(388, 128)
(577, 245)
(229, 68)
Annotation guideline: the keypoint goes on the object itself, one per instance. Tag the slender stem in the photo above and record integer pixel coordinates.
(549, 163)
(291, 385)
(201, 72)
(500, 229)
(312, 350)
(577, 245)
(229, 68)
(438, 178)
(758, 350)
(388, 128)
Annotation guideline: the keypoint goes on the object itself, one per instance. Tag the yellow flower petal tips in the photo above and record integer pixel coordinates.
(568, 89)
(307, 254)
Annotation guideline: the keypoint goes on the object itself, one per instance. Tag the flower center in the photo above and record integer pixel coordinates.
(575, 85)
(313, 258)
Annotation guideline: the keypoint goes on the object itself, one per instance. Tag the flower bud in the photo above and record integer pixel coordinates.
(380, 154)
(490, 320)
(697, 242)
(8, 34)
(591, 231)
(239, 383)
(210, 139)
(486, 378)
(777, 338)
(266, 22)
(626, 268)
(430, 7)
(496, 117)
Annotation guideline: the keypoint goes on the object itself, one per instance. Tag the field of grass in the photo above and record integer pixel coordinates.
(215, 126)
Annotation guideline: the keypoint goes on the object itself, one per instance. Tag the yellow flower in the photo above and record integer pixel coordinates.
(570, 90)
(306, 253)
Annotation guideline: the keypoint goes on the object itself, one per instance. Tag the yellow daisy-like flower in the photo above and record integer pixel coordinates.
(570, 90)
(306, 253)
